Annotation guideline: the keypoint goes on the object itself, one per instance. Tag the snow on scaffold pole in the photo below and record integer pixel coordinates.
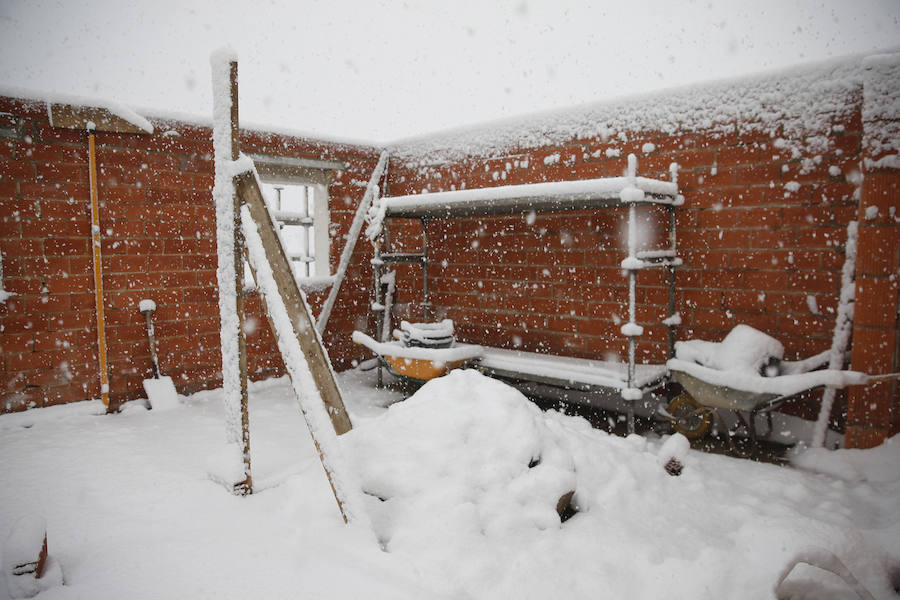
(305, 359)
(631, 329)
(843, 327)
(230, 272)
(350, 245)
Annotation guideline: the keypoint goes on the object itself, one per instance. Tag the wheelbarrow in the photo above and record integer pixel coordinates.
(708, 390)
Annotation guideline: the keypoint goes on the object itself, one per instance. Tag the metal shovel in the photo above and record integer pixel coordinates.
(160, 390)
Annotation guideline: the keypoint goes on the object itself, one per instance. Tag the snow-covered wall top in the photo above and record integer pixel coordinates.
(881, 110)
(798, 104)
(142, 116)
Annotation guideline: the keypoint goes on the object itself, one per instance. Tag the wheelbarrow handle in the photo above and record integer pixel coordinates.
(881, 378)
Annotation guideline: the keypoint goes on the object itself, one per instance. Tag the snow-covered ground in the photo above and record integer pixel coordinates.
(468, 474)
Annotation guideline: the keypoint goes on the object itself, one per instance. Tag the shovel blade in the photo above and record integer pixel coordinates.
(161, 393)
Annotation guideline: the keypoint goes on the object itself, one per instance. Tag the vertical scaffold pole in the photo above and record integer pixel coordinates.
(671, 321)
(426, 301)
(632, 291)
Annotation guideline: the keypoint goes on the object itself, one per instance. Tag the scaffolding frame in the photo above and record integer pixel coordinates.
(629, 191)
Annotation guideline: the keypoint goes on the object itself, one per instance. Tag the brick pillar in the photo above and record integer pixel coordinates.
(873, 412)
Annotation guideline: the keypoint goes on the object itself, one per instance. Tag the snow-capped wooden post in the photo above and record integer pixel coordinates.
(350, 245)
(231, 260)
(245, 486)
(843, 329)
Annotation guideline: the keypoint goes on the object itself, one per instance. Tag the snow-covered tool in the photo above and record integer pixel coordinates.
(160, 390)
(110, 118)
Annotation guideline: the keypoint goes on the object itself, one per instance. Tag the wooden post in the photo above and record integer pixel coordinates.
(349, 246)
(246, 486)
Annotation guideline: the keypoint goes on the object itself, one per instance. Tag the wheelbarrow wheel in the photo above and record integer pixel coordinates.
(689, 417)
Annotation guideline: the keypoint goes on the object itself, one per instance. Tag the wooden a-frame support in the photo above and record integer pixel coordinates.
(248, 194)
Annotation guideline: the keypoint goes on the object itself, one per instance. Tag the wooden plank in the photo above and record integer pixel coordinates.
(77, 117)
(298, 311)
(245, 486)
(98, 273)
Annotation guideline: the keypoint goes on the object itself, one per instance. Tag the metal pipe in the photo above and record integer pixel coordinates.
(305, 239)
(426, 305)
(278, 189)
(671, 269)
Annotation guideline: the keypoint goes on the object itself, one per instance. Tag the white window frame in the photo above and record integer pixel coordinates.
(317, 176)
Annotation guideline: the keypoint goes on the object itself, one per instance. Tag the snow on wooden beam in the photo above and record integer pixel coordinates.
(113, 120)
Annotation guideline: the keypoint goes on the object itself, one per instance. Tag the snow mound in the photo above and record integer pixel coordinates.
(465, 457)
(28, 586)
(743, 349)
(876, 465)
(21, 554)
(675, 447)
(23, 545)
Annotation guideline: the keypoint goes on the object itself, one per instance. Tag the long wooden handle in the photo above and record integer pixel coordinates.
(98, 273)
(882, 378)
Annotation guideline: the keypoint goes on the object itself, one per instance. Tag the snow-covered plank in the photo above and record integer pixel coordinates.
(295, 305)
(565, 370)
(843, 329)
(112, 117)
(548, 196)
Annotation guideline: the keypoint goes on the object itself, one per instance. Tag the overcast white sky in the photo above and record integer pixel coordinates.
(380, 71)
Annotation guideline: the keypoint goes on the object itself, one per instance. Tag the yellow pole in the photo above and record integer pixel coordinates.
(98, 272)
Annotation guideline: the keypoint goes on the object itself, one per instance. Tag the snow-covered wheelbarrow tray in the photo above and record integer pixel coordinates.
(418, 363)
(707, 390)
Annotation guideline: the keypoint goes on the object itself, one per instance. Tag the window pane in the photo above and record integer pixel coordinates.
(292, 205)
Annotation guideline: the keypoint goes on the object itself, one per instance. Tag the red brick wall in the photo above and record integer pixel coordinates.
(158, 226)
(762, 234)
(755, 251)
(874, 413)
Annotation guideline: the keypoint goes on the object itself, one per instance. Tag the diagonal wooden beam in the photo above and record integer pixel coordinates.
(295, 304)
